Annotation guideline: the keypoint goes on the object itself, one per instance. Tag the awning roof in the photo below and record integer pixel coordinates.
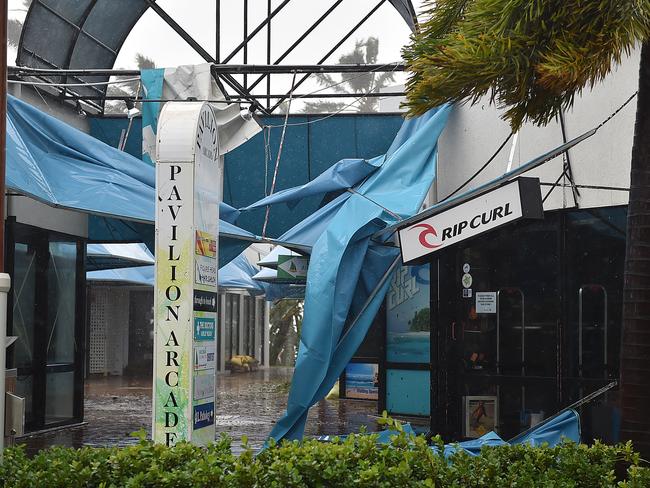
(61, 166)
(85, 34)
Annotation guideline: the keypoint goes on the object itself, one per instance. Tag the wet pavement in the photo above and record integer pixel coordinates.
(247, 404)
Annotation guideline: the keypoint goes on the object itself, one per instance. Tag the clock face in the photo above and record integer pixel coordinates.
(206, 135)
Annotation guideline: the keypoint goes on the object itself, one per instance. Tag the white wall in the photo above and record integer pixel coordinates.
(31, 212)
(473, 133)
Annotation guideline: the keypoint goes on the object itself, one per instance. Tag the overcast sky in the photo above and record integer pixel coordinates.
(152, 37)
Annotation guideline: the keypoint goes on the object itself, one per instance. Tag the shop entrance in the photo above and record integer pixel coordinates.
(526, 321)
(47, 316)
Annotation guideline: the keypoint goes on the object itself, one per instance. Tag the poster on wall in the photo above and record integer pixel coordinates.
(481, 415)
(408, 316)
(362, 381)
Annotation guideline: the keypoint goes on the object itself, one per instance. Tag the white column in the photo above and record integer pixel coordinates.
(222, 331)
(5, 285)
(187, 218)
(240, 327)
(267, 333)
(259, 325)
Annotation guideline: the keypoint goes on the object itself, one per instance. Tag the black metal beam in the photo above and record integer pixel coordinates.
(219, 68)
(180, 31)
(257, 97)
(333, 50)
(297, 42)
(306, 68)
(76, 27)
(268, 51)
(217, 40)
(255, 31)
(229, 80)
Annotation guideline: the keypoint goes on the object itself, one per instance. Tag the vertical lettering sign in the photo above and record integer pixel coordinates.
(188, 186)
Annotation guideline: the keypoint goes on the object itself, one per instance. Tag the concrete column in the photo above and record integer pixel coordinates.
(222, 331)
(267, 333)
(240, 326)
(259, 325)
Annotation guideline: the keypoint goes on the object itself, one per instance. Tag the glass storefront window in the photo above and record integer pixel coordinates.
(408, 316)
(24, 285)
(61, 302)
(47, 316)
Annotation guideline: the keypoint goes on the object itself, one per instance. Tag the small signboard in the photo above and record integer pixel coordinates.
(204, 326)
(206, 244)
(204, 385)
(204, 357)
(513, 201)
(292, 267)
(205, 271)
(203, 415)
(205, 301)
(486, 302)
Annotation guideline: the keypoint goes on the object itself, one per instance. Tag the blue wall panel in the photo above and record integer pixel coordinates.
(109, 129)
(408, 392)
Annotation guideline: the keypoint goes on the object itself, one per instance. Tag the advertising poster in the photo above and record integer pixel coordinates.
(408, 316)
(480, 415)
(362, 381)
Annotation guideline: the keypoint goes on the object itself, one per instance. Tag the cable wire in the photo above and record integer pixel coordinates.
(94, 83)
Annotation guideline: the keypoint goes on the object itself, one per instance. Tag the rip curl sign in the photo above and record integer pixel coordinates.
(515, 200)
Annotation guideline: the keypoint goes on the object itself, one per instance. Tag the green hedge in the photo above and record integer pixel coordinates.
(356, 461)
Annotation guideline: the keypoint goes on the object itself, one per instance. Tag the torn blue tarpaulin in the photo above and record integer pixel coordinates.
(61, 166)
(236, 275)
(565, 426)
(347, 277)
(340, 176)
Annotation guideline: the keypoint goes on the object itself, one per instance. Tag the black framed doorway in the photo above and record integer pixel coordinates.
(47, 315)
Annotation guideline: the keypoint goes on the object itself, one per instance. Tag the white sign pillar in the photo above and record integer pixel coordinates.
(188, 187)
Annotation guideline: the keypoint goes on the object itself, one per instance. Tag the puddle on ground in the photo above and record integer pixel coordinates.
(247, 404)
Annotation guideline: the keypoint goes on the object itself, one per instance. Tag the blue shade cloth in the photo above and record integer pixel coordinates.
(347, 271)
(52, 162)
(111, 256)
(556, 429)
(340, 176)
(152, 87)
(59, 165)
(564, 425)
(141, 275)
(227, 213)
(238, 274)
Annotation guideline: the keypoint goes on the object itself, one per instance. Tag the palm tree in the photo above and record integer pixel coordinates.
(286, 319)
(15, 26)
(532, 57)
(127, 90)
(364, 52)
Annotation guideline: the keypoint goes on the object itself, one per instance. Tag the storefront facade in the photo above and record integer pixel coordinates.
(45, 255)
(505, 329)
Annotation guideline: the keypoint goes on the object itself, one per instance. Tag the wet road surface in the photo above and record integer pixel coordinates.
(247, 404)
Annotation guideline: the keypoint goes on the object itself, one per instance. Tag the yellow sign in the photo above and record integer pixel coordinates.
(206, 244)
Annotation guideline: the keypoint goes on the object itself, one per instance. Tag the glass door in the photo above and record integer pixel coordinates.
(47, 317)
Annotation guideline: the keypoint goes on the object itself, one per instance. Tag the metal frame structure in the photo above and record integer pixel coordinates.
(223, 73)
